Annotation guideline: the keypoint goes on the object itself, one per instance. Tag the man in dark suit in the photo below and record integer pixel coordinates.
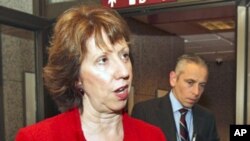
(188, 81)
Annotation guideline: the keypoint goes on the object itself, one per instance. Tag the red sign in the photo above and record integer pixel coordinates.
(130, 3)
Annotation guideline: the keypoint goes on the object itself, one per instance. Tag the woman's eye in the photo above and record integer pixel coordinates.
(102, 60)
(125, 56)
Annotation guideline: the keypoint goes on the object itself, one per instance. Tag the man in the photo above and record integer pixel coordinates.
(188, 81)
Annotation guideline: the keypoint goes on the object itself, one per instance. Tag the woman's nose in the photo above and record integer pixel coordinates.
(122, 69)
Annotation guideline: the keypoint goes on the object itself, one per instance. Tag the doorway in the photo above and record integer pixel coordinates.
(206, 29)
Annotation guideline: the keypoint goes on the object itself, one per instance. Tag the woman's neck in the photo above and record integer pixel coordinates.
(101, 126)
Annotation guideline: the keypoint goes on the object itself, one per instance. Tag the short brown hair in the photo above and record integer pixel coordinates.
(68, 48)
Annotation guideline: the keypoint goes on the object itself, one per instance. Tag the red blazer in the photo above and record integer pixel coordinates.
(67, 127)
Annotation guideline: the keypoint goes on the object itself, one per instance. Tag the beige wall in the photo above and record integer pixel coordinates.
(19, 5)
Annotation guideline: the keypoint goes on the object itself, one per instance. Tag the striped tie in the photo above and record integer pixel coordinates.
(183, 125)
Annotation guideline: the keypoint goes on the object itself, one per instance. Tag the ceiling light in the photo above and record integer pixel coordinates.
(217, 25)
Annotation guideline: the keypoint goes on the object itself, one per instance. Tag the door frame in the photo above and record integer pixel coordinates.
(243, 66)
(40, 27)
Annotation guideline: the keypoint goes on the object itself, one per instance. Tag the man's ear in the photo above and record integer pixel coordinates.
(172, 78)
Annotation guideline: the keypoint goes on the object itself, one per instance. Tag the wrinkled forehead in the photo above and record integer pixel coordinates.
(103, 42)
(194, 70)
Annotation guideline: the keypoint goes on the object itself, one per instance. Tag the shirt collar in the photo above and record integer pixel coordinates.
(176, 105)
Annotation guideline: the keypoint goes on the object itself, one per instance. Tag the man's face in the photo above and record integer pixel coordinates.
(189, 85)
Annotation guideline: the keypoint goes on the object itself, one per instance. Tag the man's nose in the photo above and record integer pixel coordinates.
(196, 90)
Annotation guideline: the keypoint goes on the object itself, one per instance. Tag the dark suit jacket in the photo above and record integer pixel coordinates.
(159, 112)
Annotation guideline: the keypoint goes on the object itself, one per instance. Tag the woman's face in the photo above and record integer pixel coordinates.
(106, 76)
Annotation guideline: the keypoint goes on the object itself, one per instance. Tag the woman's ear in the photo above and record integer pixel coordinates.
(77, 82)
(172, 78)
(79, 87)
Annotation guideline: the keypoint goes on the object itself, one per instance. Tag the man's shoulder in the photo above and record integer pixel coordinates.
(202, 110)
(140, 126)
(151, 102)
(136, 129)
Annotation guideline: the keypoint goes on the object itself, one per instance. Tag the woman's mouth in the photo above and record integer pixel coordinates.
(122, 92)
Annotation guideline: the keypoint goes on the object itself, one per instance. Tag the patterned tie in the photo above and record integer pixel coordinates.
(183, 125)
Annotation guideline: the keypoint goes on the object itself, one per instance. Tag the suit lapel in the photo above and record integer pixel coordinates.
(196, 123)
(165, 114)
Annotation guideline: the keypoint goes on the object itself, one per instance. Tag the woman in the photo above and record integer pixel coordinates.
(89, 75)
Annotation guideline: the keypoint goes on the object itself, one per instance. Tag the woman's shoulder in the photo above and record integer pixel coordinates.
(202, 111)
(57, 119)
(51, 125)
